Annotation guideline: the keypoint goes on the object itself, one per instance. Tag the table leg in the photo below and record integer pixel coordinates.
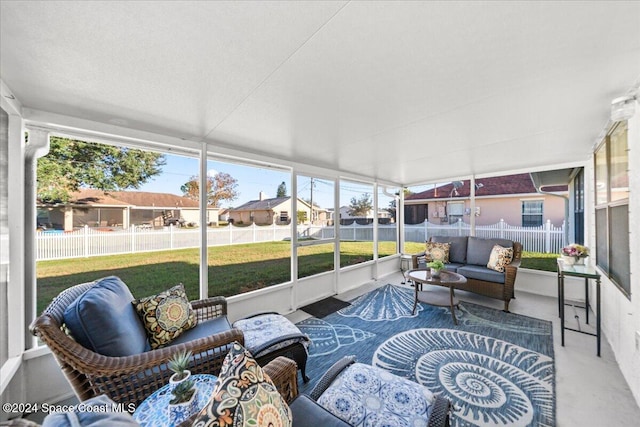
(453, 309)
(598, 313)
(561, 299)
(586, 297)
(415, 298)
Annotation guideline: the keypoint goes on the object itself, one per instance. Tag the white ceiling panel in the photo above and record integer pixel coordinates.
(376, 89)
(171, 67)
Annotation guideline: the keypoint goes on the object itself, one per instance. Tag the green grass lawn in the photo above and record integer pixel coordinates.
(232, 269)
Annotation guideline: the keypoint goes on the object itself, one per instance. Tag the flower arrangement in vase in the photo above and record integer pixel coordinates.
(436, 266)
(574, 254)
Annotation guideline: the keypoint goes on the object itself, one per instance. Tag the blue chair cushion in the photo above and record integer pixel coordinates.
(457, 248)
(479, 250)
(95, 412)
(103, 320)
(481, 273)
(204, 329)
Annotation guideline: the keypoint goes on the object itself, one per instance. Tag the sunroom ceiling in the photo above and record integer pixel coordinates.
(405, 92)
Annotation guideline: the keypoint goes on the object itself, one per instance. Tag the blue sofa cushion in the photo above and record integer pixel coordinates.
(479, 250)
(104, 321)
(457, 248)
(204, 329)
(453, 266)
(481, 273)
(95, 412)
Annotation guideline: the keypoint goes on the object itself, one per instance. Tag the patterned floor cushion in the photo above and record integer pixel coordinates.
(363, 395)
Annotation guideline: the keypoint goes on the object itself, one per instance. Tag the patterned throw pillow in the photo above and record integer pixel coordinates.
(499, 258)
(244, 396)
(165, 316)
(437, 251)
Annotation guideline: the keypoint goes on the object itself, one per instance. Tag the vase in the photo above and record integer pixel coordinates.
(173, 381)
(435, 273)
(569, 260)
(579, 261)
(179, 412)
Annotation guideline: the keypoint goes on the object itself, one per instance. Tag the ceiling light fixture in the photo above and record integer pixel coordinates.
(623, 108)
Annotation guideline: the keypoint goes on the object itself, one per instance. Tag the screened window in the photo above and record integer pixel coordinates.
(316, 233)
(532, 212)
(612, 207)
(357, 214)
(387, 223)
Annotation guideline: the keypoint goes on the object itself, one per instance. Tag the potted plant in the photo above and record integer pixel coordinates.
(183, 401)
(436, 266)
(178, 364)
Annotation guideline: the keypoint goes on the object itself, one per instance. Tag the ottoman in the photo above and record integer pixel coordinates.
(269, 335)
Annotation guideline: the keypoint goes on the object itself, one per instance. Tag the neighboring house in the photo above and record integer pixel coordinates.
(97, 208)
(347, 218)
(276, 210)
(512, 198)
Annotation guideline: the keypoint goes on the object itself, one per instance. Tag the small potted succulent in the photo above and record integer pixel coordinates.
(178, 364)
(184, 402)
(436, 266)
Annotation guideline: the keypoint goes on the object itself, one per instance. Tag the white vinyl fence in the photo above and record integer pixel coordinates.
(545, 238)
(88, 242)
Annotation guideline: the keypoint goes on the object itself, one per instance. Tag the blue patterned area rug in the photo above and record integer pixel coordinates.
(497, 368)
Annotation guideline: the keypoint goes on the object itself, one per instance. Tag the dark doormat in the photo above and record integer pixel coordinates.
(325, 307)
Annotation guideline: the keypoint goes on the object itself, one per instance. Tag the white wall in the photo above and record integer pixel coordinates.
(621, 316)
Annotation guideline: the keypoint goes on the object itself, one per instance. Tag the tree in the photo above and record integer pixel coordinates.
(392, 204)
(282, 190)
(360, 207)
(221, 186)
(72, 164)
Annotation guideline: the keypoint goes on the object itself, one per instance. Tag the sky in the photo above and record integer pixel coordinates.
(251, 181)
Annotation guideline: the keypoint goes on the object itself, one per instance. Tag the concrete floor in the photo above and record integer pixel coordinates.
(590, 390)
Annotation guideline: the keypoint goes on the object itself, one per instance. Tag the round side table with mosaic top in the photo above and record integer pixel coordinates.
(154, 410)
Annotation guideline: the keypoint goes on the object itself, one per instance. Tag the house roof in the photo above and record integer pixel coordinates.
(93, 197)
(262, 205)
(493, 186)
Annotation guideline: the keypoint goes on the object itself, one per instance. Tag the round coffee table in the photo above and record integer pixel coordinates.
(439, 299)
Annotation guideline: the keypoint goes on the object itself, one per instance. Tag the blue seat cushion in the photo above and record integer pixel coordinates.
(453, 266)
(103, 320)
(307, 413)
(203, 329)
(479, 250)
(457, 248)
(481, 273)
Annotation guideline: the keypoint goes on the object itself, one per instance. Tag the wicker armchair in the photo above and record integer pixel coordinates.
(129, 379)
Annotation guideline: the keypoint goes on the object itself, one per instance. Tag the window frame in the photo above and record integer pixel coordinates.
(524, 212)
(604, 239)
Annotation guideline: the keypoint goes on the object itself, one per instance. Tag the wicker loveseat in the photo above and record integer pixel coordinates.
(132, 378)
(469, 256)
